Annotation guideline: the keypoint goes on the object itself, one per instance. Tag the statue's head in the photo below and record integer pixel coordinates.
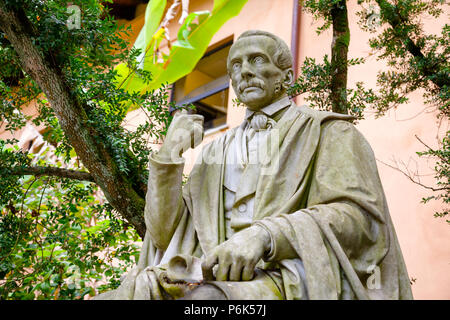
(260, 67)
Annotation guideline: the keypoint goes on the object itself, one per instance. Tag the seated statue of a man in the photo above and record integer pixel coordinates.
(288, 205)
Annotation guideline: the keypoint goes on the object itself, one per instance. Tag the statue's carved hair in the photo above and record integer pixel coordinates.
(282, 57)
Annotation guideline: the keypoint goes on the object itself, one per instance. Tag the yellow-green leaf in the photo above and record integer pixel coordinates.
(193, 40)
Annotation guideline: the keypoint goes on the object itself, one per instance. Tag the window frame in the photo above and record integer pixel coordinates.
(206, 94)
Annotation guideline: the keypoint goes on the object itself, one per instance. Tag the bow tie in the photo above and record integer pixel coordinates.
(260, 122)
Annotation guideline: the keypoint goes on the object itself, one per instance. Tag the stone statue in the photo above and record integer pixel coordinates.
(288, 205)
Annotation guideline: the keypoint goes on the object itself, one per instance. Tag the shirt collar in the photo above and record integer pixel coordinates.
(272, 108)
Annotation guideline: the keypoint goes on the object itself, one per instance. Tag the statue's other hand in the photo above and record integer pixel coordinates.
(185, 131)
(237, 257)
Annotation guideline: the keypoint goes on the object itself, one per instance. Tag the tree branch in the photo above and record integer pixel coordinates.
(53, 171)
(444, 160)
(430, 70)
(408, 175)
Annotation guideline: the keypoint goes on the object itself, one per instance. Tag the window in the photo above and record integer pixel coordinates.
(206, 88)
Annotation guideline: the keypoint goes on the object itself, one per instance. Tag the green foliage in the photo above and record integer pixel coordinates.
(58, 237)
(314, 81)
(10, 185)
(416, 60)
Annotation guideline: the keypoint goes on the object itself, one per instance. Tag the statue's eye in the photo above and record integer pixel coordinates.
(258, 60)
(236, 66)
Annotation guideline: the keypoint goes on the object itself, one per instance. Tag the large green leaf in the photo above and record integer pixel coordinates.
(153, 16)
(146, 38)
(193, 39)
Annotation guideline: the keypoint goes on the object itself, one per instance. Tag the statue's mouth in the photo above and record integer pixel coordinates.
(249, 87)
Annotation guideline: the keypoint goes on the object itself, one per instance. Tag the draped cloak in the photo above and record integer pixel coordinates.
(321, 198)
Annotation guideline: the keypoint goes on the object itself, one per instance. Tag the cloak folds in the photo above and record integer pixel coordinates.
(322, 201)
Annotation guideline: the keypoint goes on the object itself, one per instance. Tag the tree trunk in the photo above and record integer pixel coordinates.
(72, 118)
(339, 51)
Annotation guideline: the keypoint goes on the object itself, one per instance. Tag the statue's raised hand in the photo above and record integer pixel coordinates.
(237, 257)
(185, 131)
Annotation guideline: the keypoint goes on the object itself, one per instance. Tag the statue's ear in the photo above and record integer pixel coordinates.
(288, 77)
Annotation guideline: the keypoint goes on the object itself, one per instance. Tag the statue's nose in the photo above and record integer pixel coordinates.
(246, 70)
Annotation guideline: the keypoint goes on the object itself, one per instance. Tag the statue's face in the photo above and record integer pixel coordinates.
(256, 80)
